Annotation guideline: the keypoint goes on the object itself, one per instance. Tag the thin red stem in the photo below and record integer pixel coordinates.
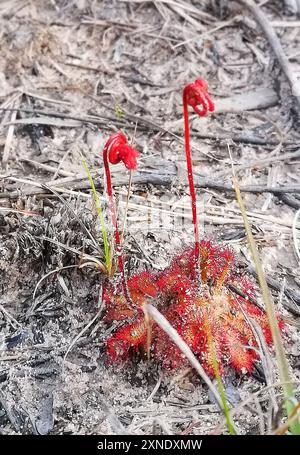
(115, 223)
(191, 178)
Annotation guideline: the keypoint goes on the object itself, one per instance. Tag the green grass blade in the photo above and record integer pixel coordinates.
(283, 367)
(107, 251)
(226, 410)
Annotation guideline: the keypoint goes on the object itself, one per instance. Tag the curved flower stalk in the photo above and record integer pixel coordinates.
(194, 95)
(116, 150)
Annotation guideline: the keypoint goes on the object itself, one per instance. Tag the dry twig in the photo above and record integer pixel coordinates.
(276, 46)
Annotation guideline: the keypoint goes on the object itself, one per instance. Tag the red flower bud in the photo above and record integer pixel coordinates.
(119, 150)
(196, 94)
